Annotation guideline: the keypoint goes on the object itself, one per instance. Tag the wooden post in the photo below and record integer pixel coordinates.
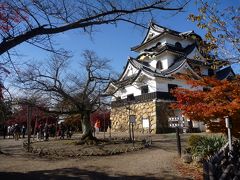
(29, 111)
(178, 141)
(129, 126)
(205, 170)
(104, 125)
(229, 126)
(35, 127)
(132, 135)
(110, 127)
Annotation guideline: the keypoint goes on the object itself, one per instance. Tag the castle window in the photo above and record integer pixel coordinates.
(171, 87)
(159, 65)
(118, 98)
(144, 89)
(178, 45)
(210, 72)
(206, 89)
(130, 97)
(158, 45)
(145, 63)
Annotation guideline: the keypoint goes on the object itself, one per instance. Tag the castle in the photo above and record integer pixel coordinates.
(143, 89)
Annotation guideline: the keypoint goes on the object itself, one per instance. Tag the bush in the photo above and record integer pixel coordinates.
(201, 147)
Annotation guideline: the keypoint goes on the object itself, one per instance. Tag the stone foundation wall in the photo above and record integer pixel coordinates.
(156, 112)
(120, 116)
(163, 112)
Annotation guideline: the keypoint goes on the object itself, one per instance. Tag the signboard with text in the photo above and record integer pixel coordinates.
(145, 122)
(132, 119)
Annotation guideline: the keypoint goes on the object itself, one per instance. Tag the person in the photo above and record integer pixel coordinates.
(12, 130)
(38, 131)
(69, 131)
(97, 125)
(46, 132)
(16, 132)
(4, 131)
(9, 129)
(41, 133)
(23, 131)
(62, 131)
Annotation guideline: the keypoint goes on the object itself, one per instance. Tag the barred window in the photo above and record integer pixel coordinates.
(130, 97)
(144, 89)
(159, 65)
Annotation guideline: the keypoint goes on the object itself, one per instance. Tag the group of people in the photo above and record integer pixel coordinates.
(64, 129)
(16, 131)
(44, 131)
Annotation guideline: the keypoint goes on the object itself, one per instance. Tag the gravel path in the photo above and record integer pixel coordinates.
(156, 162)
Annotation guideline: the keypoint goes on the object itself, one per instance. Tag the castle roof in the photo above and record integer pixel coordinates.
(145, 68)
(225, 73)
(155, 32)
(186, 59)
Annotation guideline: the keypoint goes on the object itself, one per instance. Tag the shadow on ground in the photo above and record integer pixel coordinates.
(73, 174)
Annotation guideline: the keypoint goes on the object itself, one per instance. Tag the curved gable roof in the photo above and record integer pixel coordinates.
(224, 73)
(160, 30)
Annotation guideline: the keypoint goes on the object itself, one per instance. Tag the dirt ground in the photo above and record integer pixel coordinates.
(156, 162)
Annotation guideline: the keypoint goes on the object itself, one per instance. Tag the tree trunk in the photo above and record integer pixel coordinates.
(86, 127)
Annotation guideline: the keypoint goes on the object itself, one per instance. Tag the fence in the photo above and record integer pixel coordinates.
(224, 165)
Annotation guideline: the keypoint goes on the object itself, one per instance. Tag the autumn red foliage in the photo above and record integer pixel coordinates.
(10, 16)
(210, 100)
(103, 117)
(20, 116)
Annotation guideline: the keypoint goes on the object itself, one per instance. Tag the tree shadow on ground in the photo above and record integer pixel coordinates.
(75, 173)
(169, 145)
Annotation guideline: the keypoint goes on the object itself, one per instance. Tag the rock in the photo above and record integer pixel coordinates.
(187, 158)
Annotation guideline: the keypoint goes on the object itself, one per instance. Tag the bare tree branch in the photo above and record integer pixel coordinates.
(46, 17)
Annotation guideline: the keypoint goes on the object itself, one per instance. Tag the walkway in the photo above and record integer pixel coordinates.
(154, 163)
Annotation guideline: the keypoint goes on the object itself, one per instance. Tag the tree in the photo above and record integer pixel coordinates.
(222, 28)
(5, 111)
(69, 93)
(39, 113)
(35, 21)
(219, 98)
(9, 16)
(5, 106)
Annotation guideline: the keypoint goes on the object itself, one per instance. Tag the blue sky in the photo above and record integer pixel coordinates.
(113, 42)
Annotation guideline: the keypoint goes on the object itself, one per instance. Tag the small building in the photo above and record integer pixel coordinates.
(143, 89)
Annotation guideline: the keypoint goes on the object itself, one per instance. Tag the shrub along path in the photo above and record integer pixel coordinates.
(156, 162)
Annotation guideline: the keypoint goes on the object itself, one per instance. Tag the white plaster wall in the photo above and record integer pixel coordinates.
(153, 63)
(151, 85)
(130, 70)
(162, 84)
(186, 42)
(136, 89)
(167, 60)
(154, 43)
(168, 39)
(204, 70)
(195, 53)
(200, 125)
